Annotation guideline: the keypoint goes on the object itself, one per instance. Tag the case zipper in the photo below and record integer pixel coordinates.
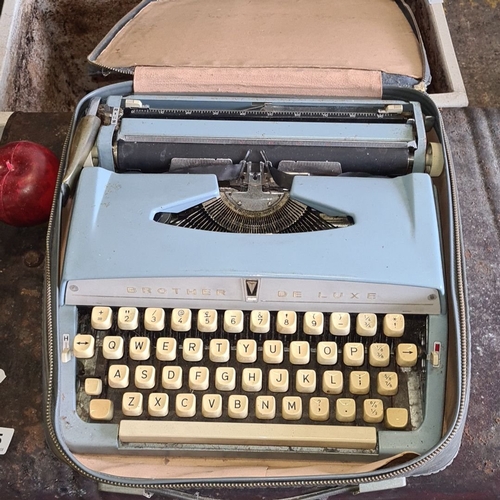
(156, 487)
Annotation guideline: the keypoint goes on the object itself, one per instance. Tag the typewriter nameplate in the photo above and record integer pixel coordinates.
(267, 293)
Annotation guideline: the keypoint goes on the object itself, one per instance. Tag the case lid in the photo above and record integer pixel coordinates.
(320, 48)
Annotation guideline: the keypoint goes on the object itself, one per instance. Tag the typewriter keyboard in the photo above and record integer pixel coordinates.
(259, 377)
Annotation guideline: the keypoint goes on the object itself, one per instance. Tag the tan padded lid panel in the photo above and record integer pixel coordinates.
(348, 34)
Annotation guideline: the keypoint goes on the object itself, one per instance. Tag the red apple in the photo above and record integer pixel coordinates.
(28, 173)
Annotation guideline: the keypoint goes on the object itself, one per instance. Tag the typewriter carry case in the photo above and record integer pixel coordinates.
(254, 269)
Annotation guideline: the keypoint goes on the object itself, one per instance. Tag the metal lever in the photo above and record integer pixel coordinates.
(81, 145)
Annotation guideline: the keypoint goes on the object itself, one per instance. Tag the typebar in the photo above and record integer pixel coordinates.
(323, 436)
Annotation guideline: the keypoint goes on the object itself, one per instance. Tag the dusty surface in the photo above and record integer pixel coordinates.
(52, 72)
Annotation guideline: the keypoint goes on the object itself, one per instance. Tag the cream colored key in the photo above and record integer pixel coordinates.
(340, 323)
(406, 355)
(118, 376)
(265, 407)
(154, 319)
(139, 348)
(101, 409)
(272, 352)
(326, 353)
(260, 321)
(319, 409)
(345, 410)
(354, 354)
(166, 349)
(198, 378)
(305, 381)
(373, 411)
(101, 318)
(145, 377)
(366, 324)
(394, 325)
(246, 351)
(251, 379)
(237, 407)
(221, 433)
(333, 382)
(171, 377)
(286, 322)
(313, 323)
(225, 379)
(113, 347)
(93, 386)
(132, 404)
(219, 350)
(192, 349)
(396, 418)
(233, 321)
(180, 320)
(379, 355)
(387, 383)
(278, 380)
(359, 382)
(158, 404)
(211, 405)
(83, 346)
(300, 354)
(128, 318)
(185, 405)
(207, 320)
(291, 408)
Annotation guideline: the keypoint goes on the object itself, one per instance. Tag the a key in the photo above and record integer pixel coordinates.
(154, 319)
(132, 404)
(299, 353)
(207, 320)
(118, 376)
(291, 408)
(286, 322)
(113, 347)
(265, 407)
(171, 377)
(219, 350)
(272, 352)
(145, 377)
(158, 404)
(260, 321)
(340, 323)
(83, 346)
(211, 405)
(101, 409)
(233, 321)
(373, 411)
(237, 407)
(128, 318)
(180, 320)
(185, 405)
(101, 318)
(225, 379)
(366, 324)
(394, 325)
(313, 323)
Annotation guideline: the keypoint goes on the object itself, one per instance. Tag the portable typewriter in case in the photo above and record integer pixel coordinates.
(269, 274)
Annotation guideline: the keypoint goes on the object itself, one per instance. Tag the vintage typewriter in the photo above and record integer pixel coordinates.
(254, 276)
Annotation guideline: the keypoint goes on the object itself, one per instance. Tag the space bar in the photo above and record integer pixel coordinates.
(229, 433)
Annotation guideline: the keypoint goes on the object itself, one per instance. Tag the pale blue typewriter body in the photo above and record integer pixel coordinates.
(388, 261)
